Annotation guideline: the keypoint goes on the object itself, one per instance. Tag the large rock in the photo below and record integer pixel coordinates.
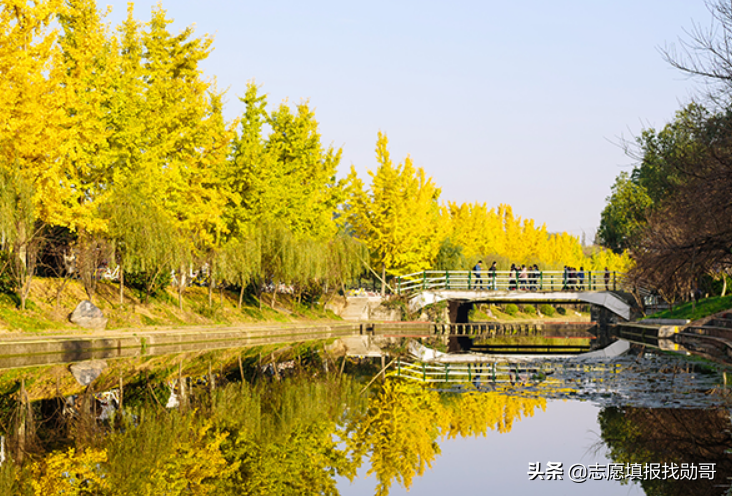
(86, 372)
(87, 315)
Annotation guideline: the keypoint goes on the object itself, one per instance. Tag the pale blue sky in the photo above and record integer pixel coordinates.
(500, 102)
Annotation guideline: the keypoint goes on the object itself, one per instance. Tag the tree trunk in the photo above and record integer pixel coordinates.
(182, 386)
(181, 287)
(28, 270)
(121, 394)
(258, 291)
(121, 285)
(274, 296)
(149, 286)
(22, 244)
(87, 267)
(241, 294)
(383, 280)
(724, 284)
(210, 285)
(345, 295)
(61, 289)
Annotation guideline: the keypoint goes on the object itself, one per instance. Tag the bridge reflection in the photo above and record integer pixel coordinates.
(621, 381)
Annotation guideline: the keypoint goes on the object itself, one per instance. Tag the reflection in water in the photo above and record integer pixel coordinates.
(271, 438)
(671, 436)
(296, 431)
(650, 381)
(398, 433)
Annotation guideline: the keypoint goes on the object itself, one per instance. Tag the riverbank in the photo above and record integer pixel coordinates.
(51, 302)
(695, 310)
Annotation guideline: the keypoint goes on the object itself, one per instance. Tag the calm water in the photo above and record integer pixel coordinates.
(567, 432)
(297, 427)
(652, 412)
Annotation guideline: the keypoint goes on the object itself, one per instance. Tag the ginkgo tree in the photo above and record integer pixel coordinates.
(287, 176)
(169, 133)
(31, 100)
(398, 216)
(89, 66)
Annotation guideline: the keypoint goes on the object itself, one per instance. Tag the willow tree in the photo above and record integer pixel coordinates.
(192, 139)
(278, 258)
(168, 129)
(285, 183)
(143, 233)
(398, 217)
(20, 232)
(346, 259)
(240, 260)
(201, 206)
(90, 59)
(309, 262)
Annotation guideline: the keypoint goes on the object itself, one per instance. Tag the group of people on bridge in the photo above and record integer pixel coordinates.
(529, 278)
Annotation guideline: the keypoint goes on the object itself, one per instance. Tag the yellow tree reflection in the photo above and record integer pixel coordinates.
(473, 413)
(399, 431)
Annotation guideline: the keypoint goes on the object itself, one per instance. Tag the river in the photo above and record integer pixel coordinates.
(657, 423)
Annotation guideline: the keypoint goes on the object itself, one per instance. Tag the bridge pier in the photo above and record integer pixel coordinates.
(604, 319)
(459, 311)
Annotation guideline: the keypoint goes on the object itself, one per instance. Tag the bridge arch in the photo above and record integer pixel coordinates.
(605, 299)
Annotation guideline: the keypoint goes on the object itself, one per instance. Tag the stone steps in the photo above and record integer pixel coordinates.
(721, 322)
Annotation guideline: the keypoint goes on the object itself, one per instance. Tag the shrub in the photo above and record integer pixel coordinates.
(530, 309)
(511, 309)
(147, 284)
(561, 311)
(547, 310)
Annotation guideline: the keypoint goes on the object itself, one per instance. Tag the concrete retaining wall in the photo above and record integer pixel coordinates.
(47, 350)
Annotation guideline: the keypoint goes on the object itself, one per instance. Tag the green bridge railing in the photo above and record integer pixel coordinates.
(497, 372)
(598, 280)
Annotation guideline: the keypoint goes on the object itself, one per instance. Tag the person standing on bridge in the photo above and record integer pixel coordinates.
(534, 277)
(607, 279)
(476, 271)
(492, 276)
(523, 278)
(581, 279)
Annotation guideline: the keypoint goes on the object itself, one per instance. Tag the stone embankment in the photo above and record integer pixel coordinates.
(23, 351)
(710, 337)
